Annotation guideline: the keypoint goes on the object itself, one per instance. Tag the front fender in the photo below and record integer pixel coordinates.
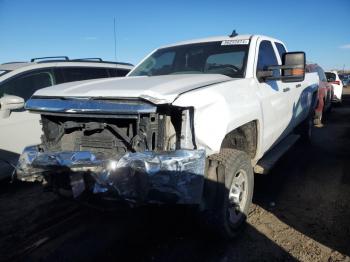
(219, 109)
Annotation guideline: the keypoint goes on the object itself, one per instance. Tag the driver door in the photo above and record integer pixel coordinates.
(276, 98)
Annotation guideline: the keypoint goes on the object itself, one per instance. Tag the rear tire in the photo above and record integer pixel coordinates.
(228, 193)
(329, 109)
(305, 129)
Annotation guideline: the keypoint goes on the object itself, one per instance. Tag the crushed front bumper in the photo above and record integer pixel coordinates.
(142, 177)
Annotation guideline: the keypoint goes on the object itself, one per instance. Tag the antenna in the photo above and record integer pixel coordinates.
(234, 33)
(115, 41)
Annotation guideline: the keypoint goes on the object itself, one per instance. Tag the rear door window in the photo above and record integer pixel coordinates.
(71, 74)
(25, 85)
(118, 72)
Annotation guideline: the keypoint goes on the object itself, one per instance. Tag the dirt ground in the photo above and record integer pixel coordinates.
(301, 212)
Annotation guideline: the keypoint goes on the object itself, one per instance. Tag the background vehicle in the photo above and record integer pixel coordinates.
(19, 80)
(189, 125)
(345, 79)
(333, 78)
(325, 93)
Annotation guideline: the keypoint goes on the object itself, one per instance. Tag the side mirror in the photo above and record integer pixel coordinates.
(8, 103)
(292, 68)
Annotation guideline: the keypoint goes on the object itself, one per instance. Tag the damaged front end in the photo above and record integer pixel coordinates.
(125, 150)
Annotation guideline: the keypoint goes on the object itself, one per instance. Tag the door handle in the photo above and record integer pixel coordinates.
(286, 89)
(298, 85)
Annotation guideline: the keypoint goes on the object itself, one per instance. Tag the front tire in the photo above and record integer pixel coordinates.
(228, 192)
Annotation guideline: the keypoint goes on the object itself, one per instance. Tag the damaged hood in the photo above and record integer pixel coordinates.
(156, 89)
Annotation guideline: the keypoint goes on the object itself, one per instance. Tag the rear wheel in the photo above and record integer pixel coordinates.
(305, 129)
(329, 108)
(228, 192)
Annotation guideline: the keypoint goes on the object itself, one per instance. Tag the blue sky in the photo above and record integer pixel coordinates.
(33, 28)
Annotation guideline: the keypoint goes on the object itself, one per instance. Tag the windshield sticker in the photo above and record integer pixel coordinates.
(235, 42)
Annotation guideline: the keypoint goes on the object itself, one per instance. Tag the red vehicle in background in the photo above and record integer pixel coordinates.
(325, 93)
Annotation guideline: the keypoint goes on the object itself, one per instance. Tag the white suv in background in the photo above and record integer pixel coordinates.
(333, 78)
(19, 80)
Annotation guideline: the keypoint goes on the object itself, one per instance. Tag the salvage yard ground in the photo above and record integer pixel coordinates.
(301, 212)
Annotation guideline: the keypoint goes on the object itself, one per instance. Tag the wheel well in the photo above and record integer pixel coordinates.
(244, 138)
(314, 101)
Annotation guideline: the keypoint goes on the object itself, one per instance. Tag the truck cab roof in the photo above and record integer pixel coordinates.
(221, 38)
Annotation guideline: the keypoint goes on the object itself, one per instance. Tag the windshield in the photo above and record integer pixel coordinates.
(226, 58)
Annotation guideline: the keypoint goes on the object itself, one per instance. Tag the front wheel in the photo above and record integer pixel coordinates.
(228, 192)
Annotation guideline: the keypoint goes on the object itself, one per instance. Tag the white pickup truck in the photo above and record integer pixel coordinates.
(189, 125)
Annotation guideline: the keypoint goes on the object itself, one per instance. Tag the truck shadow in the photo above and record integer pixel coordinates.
(153, 233)
(150, 233)
(172, 235)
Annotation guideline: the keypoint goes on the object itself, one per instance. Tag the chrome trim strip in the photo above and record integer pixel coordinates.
(88, 106)
(89, 115)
